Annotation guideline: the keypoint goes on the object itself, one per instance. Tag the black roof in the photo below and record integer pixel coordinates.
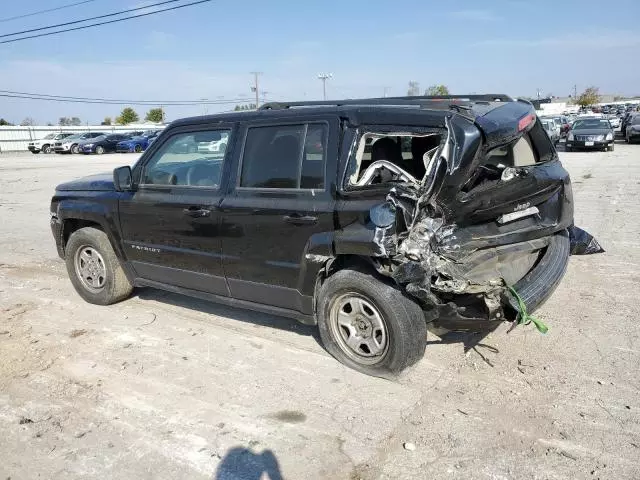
(404, 110)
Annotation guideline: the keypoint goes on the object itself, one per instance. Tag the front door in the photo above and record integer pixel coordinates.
(170, 224)
(281, 200)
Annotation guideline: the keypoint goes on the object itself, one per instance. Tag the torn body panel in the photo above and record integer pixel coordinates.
(484, 218)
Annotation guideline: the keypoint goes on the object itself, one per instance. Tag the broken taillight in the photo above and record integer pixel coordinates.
(526, 121)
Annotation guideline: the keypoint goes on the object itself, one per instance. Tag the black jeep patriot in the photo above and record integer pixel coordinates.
(374, 219)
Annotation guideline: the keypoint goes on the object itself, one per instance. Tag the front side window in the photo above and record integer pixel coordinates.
(186, 159)
(285, 156)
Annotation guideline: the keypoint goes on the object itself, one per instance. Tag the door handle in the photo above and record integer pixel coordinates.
(196, 212)
(298, 219)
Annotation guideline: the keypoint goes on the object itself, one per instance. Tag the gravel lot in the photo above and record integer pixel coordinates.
(166, 387)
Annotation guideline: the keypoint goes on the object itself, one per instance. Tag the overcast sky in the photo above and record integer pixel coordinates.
(207, 51)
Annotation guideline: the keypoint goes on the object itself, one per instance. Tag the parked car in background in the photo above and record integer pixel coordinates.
(70, 144)
(552, 129)
(624, 122)
(215, 146)
(104, 144)
(614, 120)
(135, 144)
(591, 133)
(633, 129)
(46, 144)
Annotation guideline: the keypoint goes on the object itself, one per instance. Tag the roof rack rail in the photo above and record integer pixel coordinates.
(400, 101)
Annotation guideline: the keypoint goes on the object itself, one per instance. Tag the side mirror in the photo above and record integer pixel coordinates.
(122, 179)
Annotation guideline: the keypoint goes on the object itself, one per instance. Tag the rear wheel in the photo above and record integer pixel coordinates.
(94, 269)
(611, 147)
(75, 149)
(99, 150)
(137, 148)
(46, 149)
(369, 325)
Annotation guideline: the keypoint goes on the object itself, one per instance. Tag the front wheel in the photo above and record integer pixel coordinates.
(99, 150)
(94, 269)
(46, 149)
(611, 147)
(35, 152)
(369, 325)
(75, 149)
(137, 148)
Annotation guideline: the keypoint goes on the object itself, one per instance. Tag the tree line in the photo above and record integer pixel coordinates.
(127, 115)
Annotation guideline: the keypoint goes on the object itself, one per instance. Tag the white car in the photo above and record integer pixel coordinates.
(45, 145)
(216, 146)
(614, 120)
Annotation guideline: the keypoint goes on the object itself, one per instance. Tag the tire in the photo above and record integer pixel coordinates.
(137, 148)
(35, 152)
(538, 285)
(110, 282)
(46, 149)
(611, 147)
(74, 149)
(99, 150)
(568, 149)
(404, 328)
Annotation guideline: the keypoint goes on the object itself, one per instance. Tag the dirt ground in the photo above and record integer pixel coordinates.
(166, 387)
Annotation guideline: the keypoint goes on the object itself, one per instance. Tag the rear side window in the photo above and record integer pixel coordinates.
(285, 156)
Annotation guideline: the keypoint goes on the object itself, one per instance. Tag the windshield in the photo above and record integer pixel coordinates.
(72, 137)
(591, 123)
(50, 136)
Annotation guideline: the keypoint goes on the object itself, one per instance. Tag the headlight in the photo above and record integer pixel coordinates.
(383, 215)
(88, 145)
(570, 137)
(609, 136)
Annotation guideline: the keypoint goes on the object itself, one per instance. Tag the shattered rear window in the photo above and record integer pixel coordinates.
(391, 156)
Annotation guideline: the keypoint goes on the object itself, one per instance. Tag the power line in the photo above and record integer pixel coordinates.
(89, 18)
(129, 102)
(45, 96)
(2, 20)
(104, 23)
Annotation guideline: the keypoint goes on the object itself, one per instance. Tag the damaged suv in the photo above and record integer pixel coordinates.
(373, 219)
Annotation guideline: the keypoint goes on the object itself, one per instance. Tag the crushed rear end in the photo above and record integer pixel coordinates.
(492, 216)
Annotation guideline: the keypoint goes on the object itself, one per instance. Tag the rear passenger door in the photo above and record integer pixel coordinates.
(280, 200)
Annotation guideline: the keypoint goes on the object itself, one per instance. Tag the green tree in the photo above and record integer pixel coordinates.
(155, 115)
(414, 89)
(437, 90)
(28, 122)
(64, 121)
(4, 123)
(106, 121)
(128, 115)
(244, 108)
(590, 96)
(76, 122)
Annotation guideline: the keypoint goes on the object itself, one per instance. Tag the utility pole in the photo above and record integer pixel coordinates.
(324, 77)
(538, 93)
(575, 92)
(205, 110)
(256, 87)
(384, 90)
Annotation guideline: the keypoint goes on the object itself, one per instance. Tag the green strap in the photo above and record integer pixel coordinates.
(523, 317)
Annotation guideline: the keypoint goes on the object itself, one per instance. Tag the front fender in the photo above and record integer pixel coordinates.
(96, 207)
